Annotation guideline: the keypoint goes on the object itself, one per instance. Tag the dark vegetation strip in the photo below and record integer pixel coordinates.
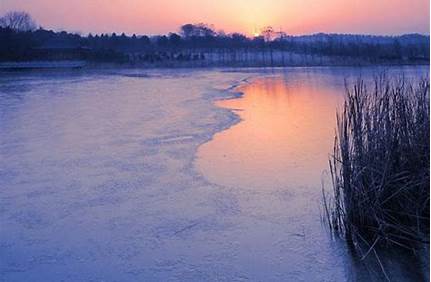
(201, 45)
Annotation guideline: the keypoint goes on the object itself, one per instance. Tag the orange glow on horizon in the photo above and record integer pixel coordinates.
(245, 16)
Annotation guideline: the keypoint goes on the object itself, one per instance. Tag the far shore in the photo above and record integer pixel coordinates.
(81, 64)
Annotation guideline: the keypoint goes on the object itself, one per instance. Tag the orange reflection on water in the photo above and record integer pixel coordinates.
(284, 138)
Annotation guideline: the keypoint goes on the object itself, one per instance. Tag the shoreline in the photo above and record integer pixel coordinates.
(85, 65)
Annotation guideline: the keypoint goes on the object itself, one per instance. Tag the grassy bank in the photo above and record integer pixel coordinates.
(380, 165)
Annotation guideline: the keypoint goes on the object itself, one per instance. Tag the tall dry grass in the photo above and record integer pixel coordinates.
(381, 165)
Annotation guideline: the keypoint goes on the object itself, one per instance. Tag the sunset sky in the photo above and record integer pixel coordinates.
(246, 16)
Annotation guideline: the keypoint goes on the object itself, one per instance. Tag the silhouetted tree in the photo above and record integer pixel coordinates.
(267, 33)
(197, 30)
(18, 20)
(174, 39)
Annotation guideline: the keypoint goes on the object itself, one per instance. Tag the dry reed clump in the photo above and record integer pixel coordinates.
(381, 164)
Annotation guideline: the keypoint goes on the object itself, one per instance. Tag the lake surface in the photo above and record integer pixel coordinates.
(277, 156)
(285, 135)
(135, 175)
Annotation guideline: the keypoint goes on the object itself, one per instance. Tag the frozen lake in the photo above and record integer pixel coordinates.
(138, 175)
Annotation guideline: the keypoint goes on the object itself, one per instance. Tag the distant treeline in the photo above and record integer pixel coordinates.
(200, 44)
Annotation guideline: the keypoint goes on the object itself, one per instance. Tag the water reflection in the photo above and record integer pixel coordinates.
(274, 158)
(284, 137)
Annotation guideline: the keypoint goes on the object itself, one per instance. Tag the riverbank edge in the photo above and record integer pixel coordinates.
(79, 64)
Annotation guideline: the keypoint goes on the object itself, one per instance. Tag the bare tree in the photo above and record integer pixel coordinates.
(268, 33)
(18, 20)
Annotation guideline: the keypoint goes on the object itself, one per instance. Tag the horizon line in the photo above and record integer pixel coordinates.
(84, 33)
